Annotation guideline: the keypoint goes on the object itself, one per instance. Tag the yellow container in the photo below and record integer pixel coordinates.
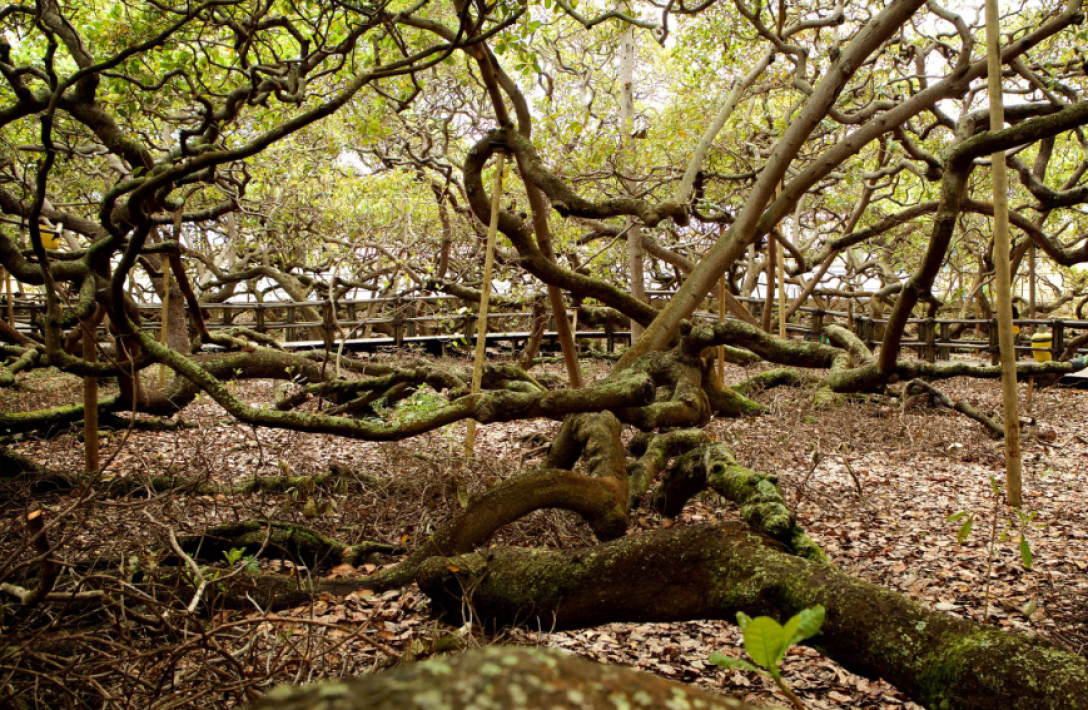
(1040, 346)
(50, 240)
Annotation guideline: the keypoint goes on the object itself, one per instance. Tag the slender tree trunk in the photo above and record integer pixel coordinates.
(11, 303)
(1031, 280)
(485, 297)
(164, 330)
(90, 401)
(781, 263)
(768, 300)
(635, 266)
(721, 317)
(1001, 264)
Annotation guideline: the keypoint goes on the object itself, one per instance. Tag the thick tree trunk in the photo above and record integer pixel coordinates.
(499, 677)
(714, 571)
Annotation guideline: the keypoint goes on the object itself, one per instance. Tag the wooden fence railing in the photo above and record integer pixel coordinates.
(930, 338)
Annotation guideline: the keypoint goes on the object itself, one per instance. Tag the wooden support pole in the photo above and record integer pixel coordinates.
(721, 317)
(165, 320)
(1031, 280)
(90, 402)
(931, 340)
(850, 310)
(11, 302)
(1001, 264)
(566, 336)
(485, 298)
(781, 262)
(768, 298)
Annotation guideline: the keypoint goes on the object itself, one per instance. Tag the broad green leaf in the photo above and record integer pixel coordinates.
(788, 633)
(810, 622)
(764, 640)
(742, 620)
(956, 516)
(1025, 552)
(720, 659)
(965, 530)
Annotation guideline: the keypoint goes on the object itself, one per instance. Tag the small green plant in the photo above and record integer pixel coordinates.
(421, 403)
(767, 642)
(1024, 521)
(237, 555)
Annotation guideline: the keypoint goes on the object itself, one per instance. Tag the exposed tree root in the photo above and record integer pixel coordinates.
(300, 544)
(186, 484)
(761, 505)
(994, 429)
(655, 455)
(714, 571)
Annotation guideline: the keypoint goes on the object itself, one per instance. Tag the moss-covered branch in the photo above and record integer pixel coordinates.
(499, 677)
(280, 539)
(629, 390)
(714, 571)
(761, 504)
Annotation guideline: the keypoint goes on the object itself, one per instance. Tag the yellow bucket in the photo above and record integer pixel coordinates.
(50, 240)
(1040, 347)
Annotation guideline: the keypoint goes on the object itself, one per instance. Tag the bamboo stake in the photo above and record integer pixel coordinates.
(768, 299)
(11, 304)
(485, 298)
(721, 317)
(165, 320)
(781, 291)
(90, 402)
(566, 337)
(1031, 280)
(1003, 285)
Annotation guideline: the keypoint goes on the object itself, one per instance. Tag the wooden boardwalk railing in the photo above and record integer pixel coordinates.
(930, 338)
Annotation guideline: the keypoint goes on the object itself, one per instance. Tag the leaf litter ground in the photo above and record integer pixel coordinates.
(915, 466)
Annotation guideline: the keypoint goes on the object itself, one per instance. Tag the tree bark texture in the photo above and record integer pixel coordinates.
(714, 571)
(499, 677)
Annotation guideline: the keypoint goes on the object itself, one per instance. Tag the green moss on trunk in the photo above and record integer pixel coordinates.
(714, 571)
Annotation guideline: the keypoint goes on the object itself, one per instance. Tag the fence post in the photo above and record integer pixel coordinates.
(288, 331)
(610, 335)
(260, 317)
(817, 323)
(995, 349)
(413, 312)
(931, 340)
(1057, 340)
(398, 324)
(327, 318)
(945, 351)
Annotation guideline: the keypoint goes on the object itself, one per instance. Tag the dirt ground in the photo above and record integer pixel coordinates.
(873, 480)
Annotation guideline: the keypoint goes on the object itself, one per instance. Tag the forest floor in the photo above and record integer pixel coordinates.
(913, 467)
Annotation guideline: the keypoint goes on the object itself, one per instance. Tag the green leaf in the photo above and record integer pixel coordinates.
(743, 620)
(1025, 552)
(810, 623)
(956, 516)
(764, 641)
(720, 659)
(789, 631)
(965, 530)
